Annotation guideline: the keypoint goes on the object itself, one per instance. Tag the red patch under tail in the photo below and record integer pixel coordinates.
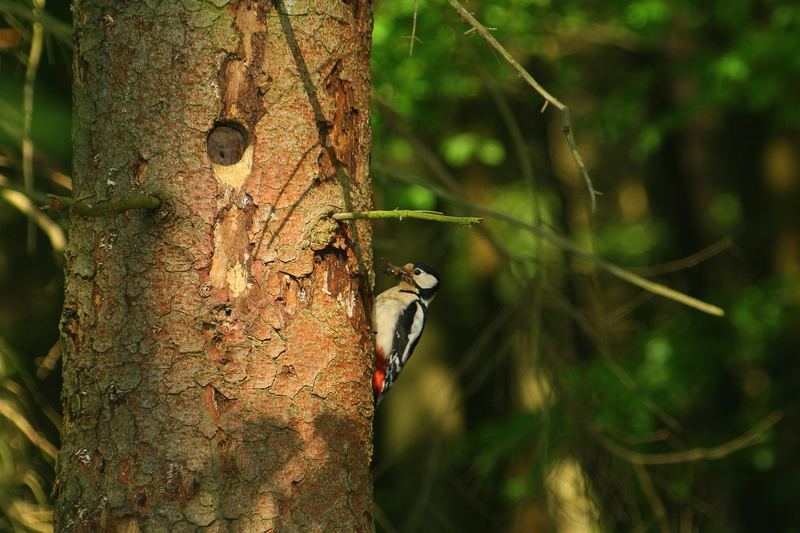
(380, 373)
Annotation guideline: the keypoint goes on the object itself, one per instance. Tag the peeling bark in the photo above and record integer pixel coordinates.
(217, 353)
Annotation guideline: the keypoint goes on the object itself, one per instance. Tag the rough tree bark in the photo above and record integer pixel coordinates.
(217, 352)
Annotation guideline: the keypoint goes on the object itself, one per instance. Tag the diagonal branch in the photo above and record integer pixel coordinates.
(8, 411)
(751, 437)
(568, 246)
(549, 98)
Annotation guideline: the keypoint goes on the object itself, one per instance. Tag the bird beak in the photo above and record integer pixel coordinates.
(403, 272)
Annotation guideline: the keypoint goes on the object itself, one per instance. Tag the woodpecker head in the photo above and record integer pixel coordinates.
(419, 275)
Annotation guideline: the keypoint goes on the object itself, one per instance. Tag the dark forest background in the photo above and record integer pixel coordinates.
(546, 394)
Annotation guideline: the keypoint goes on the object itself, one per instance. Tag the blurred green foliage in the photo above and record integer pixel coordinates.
(688, 116)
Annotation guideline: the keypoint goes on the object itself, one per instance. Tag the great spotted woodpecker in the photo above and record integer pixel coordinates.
(397, 321)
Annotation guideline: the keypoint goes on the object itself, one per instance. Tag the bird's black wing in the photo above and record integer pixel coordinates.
(406, 335)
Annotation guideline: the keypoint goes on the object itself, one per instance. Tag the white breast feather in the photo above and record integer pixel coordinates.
(388, 306)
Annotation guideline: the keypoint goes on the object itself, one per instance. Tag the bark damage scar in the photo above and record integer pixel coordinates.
(338, 280)
(71, 328)
(138, 168)
(243, 74)
(340, 134)
(230, 262)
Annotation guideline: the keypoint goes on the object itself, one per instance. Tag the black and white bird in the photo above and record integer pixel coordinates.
(398, 320)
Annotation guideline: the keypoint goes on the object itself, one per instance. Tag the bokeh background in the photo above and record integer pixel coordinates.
(546, 395)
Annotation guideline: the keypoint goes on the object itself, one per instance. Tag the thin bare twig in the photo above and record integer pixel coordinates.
(34, 56)
(400, 214)
(652, 496)
(549, 98)
(615, 315)
(655, 288)
(47, 364)
(413, 28)
(687, 262)
(659, 435)
(616, 271)
(517, 139)
(751, 437)
(677, 265)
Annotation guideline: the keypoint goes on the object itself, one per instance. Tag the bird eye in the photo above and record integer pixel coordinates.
(417, 272)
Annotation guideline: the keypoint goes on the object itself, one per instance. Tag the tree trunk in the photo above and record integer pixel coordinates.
(217, 352)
